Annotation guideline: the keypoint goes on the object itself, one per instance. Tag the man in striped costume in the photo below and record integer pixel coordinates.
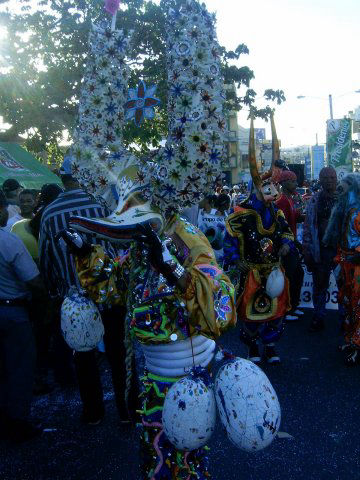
(57, 266)
(58, 270)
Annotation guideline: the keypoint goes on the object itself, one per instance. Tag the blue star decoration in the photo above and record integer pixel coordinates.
(141, 103)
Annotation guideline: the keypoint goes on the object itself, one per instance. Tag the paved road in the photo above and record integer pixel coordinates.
(320, 401)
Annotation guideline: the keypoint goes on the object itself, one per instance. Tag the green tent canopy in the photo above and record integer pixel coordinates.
(16, 162)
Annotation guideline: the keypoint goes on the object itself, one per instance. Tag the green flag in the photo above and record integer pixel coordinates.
(338, 145)
(17, 163)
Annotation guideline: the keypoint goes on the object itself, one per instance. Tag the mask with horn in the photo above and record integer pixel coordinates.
(263, 184)
(276, 164)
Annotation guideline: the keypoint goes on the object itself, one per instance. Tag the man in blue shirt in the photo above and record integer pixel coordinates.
(19, 279)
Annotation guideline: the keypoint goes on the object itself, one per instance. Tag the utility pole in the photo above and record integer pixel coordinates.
(331, 107)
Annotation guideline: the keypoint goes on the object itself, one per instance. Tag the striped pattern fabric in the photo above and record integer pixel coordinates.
(56, 264)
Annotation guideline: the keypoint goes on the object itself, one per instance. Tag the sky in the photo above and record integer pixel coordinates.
(304, 47)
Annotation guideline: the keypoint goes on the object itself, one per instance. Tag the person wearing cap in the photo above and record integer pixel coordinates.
(19, 280)
(318, 257)
(291, 263)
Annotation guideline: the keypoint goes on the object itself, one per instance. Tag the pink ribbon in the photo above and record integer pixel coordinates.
(156, 445)
(112, 6)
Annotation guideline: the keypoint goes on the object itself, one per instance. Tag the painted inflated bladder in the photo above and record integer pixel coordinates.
(189, 414)
(248, 405)
(81, 323)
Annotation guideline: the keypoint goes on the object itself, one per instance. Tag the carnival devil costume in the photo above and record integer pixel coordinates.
(257, 236)
(178, 299)
(343, 233)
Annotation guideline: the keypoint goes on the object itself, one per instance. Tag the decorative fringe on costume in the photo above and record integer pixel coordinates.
(128, 342)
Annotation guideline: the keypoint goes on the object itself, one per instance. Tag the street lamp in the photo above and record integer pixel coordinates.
(331, 107)
(299, 97)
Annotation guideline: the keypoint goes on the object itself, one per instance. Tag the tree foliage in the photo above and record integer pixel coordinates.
(43, 60)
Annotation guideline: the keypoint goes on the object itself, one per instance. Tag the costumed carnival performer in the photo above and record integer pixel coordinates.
(343, 233)
(257, 238)
(179, 300)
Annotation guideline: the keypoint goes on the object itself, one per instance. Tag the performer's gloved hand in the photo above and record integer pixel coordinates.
(74, 242)
(159, 255)
(153, 244)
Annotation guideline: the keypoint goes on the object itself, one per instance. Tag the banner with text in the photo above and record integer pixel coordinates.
(318, 159)
(307, 292)
(338, 145)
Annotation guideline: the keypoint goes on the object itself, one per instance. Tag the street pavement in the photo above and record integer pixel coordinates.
(319, 438)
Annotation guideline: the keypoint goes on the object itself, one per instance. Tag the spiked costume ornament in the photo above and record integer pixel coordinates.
(256, 235)
(343, 233)
(137, 191)
(178, 299)
(264, 183)
(276, 163)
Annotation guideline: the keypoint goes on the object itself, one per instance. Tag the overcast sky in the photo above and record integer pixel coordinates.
(305, 47)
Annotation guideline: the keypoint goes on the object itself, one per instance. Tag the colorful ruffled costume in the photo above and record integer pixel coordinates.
(255, 234)
(349, 291)
(250, 231)
(344, 230)
(175, 329)
(174, 315)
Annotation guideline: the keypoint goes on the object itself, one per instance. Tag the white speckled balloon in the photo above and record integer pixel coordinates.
(81, 323)
(189, 414)
(248, 405)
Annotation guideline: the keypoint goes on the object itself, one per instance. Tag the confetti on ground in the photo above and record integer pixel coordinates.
(284, 435)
